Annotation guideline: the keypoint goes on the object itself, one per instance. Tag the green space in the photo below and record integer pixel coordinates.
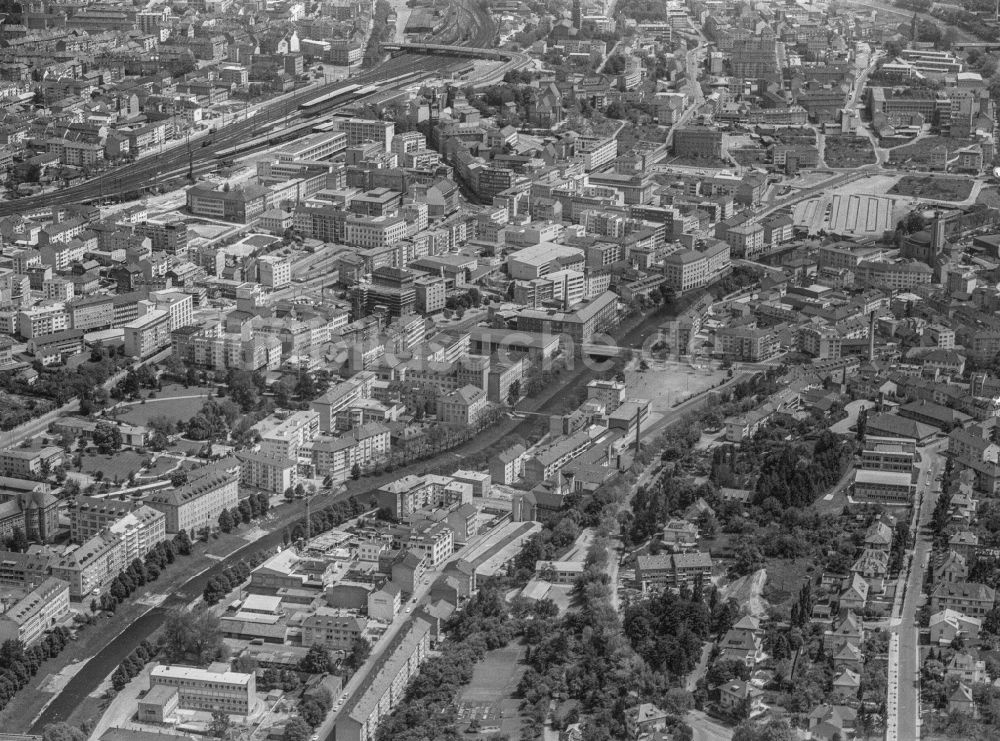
(918, 153)
(489, 697)
(175, 403)
(934, 187)
(115, 467)
(162, 465)
(16, 409)
(989, 197)
(848, 151)
(793, 135)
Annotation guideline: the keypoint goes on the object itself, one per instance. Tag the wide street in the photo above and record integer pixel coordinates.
(903, 708)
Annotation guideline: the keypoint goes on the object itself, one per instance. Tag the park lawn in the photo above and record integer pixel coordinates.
(802, 135)
(935, 187)
(116, 467)
(848, 151)
(161, 466)
(919, 152)
(174, 409)
(489, 695)
(185, 446)
(989, 196)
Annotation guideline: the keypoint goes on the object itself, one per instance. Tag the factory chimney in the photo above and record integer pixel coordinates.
(871, 336)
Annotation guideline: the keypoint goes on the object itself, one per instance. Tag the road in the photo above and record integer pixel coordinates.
(903, 706)
(707, 729)
(140, 174)
(692, 67)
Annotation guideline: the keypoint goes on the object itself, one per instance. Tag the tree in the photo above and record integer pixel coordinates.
(297, 729)
(62, 732)
(182, 543)
(225, 521)
(355, 472)
(178, 478)
(191, 636)
(107, 437)
(513, 393)
(776, 729)
(219, 725)
(18, 541)
(360, 650)
(317, 660)
(862, 423)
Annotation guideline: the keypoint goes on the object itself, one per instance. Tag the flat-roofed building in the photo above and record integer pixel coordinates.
(148, 334)
(234, 693)
(887, 487)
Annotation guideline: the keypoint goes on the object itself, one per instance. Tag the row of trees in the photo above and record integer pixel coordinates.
(132, 666)
(221, 585)
(139, 572)
(19, 664)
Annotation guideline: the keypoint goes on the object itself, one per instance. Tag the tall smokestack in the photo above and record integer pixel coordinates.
(871, 336)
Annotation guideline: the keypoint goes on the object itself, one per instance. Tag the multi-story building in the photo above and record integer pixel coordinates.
(888, 454)
(29, 463)
(968, 598)
(698, 141)
(25, 570)
(463, 407)
(385, 686)
(674, 569)
(42, 609)
(241, 204)
(902, 275)
(285, 439)
(361, 130)
(91, 567)
(147, 335)
(88, 516)
(747, 344)
(820, 341)
(579, 326)
(179, 306)
(167, 233)
(319, 146)
(198, 503)
(273, 473)
(274, 271)
(363, 446)
(367, 232)
(886, 487)
(746, 240)
(407, 495)
(334, 628)
(234, 693)
(42, 319)
(140, 531)
(430, 293)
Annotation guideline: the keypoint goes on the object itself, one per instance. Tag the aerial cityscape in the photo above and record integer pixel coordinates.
(499, 370)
